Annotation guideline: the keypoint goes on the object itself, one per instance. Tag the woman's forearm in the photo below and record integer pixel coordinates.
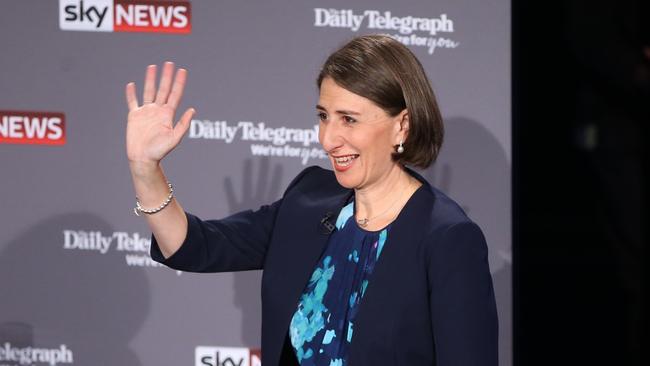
(168, 225)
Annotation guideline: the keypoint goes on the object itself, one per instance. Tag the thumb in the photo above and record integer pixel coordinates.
(183, 124)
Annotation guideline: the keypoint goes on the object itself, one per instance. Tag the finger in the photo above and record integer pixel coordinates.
(131, 98)
(262, 178)
(149, 85)
(165, 83)
(230, 195)
(177, 88)
(274, 188)
(183, 124)
(247, 186)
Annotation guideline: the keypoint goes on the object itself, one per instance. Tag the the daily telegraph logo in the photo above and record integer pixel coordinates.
(432, 30)
(227, 356)
(264, 139)
(30, 127)
(12, 355)
(134, 246)
(125, 16)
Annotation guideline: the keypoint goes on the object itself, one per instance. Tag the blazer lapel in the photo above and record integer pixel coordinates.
(301, 245)
(302, 242)
(316, 237)
(374, 308)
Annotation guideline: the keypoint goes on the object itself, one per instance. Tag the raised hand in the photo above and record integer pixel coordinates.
(150, 132)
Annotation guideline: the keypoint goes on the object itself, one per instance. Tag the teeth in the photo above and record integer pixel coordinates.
(345, 160)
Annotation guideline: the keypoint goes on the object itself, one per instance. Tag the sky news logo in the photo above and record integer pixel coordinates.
(40, 128)
(227, 356)
(125, 16)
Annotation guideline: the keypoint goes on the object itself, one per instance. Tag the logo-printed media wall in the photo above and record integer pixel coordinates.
(78, 286)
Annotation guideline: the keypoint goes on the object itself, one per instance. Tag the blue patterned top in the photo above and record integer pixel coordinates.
(321, 328)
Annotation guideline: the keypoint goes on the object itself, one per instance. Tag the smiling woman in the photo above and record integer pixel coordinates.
(384, 72)
(402, 276)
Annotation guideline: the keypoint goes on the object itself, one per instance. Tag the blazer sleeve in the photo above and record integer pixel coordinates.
(235, 243)
(463, 308)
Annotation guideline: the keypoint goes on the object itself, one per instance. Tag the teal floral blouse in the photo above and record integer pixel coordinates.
(321, 329)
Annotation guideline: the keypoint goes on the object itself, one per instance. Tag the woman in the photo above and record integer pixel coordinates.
(365, 265)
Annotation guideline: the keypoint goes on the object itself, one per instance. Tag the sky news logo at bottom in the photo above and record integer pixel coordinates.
(227, 356)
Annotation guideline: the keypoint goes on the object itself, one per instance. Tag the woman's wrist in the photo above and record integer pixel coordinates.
(144, 170)
(150, 183)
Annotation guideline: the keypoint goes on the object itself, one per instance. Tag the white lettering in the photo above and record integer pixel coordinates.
(35, 127)
(216, 130)
(31, 355)
(180, 15)
(337, 18)
(405, 26)
(14, 127)
(122, 15)
(161, 15)
(133, 260)
(132, 243)
(86, 240)
(54, 126)
(141, 15)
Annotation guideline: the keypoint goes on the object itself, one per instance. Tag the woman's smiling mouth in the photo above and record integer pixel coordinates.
(343, 162)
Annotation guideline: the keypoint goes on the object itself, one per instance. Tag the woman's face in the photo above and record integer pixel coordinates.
(358, 136)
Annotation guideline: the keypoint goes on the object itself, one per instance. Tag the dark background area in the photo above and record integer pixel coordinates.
(581, 106)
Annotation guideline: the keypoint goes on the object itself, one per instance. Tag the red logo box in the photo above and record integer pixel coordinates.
(152, 16)
(30, 127)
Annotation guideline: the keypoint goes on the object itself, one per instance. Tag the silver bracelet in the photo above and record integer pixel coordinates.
(137, 209)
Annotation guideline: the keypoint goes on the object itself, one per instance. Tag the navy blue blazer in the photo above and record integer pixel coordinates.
(430, 300)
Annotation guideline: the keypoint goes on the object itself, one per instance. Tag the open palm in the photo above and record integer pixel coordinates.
(150, 132)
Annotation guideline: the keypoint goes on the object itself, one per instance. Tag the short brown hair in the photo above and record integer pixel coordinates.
(383, 70)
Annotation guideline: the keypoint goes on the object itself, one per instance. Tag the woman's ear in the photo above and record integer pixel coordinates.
(402, 120)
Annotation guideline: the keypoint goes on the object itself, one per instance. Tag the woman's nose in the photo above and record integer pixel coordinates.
(330, 136)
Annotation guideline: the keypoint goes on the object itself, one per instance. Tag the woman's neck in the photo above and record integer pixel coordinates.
(378, 204)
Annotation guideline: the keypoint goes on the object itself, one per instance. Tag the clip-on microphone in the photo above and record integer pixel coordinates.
(328, 227)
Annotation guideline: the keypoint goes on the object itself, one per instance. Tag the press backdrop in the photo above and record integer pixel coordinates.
(76, 284)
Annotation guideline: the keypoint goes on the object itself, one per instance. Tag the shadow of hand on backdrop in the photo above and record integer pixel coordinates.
(267, 187)
(246, 285)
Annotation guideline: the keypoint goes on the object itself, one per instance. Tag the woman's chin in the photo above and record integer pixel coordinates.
(345, 180)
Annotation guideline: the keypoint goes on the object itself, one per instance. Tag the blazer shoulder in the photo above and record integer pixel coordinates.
(452, 238)
(436, 209)
(314, 179)
(445, 212)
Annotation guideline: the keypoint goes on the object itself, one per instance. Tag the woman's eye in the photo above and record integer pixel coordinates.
(349, 119)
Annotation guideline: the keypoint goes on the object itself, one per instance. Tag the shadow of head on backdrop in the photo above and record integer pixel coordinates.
(92, 303)
(474, 170)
